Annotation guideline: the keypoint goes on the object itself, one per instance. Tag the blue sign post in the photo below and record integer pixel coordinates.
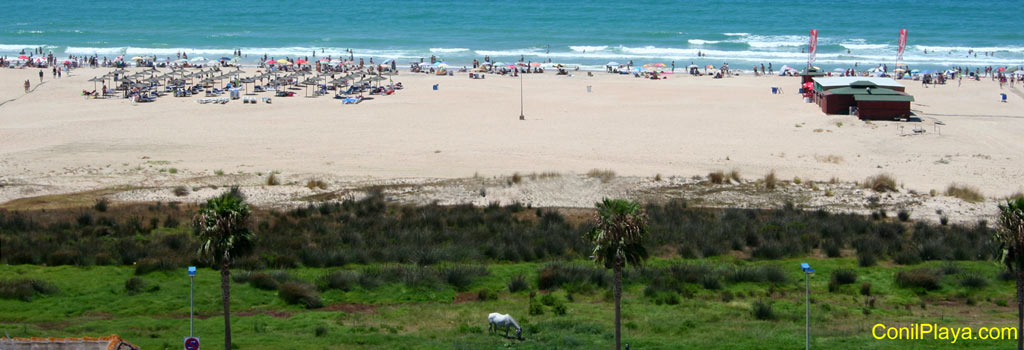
(191, 292)
(807, 300)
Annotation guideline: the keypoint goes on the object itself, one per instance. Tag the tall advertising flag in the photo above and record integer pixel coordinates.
(814, 47)
(903, 44)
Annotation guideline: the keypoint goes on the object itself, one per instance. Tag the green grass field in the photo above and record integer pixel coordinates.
(92, 302)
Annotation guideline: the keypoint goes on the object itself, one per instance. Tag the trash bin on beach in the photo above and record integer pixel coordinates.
(234, 94)
(435, 86)
(588, 88)
(775, 90)
(1002, 97)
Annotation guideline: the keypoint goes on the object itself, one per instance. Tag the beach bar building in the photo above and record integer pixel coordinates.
(868, 98)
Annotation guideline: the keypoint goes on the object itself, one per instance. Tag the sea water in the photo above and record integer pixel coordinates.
(743, 33)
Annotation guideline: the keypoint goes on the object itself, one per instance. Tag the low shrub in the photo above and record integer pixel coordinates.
(770, 180)
(881, 183)
(865, 289)
(517, 283)
(762, 310)
(548, 299)
(973, 281)
(101, 205)
(903, 215)
(156, 263)
(759, 274)
(263, 281)
(134, 285)
(180, 191)
(844, 276)
(558, 274)
(866, 259)
(461, 276)
(314, 184)
(967, 193)
(717, 177)
(25, 289)
(272, 180)
(320, 331)
(907, 257)
(340, 280)
(486, 294)
(241, 276)
(300, 293)
(924, 278)
(535, 308)
(605, 175)
(560, 309)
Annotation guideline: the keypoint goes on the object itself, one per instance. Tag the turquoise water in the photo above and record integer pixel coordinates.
(590, 33)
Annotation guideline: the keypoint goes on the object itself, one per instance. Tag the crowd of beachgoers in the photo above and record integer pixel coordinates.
(349, 78)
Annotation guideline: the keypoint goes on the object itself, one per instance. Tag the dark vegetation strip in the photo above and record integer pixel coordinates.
(371, 231)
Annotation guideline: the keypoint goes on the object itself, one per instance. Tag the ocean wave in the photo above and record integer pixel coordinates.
(736, 34)
(702, 42)
(966, 49)
(588, 48)
(448, 50)
(513, 52)
(864, 46)
(17, 47)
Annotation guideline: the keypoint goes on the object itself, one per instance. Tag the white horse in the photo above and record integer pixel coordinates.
(495, 320)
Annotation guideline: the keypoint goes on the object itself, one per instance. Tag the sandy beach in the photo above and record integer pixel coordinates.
(53, 140)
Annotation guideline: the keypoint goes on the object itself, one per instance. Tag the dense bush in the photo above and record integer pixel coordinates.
(340, 280)
(557, 275)
(25, 289)
(518, 283)
(263, 281)
(135, 285)
(925, 278)
(844, 276)
(300, 293)
(762, 310)
(763, 273)
(973, 281)
(460, 276)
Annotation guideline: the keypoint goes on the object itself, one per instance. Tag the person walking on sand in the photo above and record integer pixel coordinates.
(40, 75)
(27, 85)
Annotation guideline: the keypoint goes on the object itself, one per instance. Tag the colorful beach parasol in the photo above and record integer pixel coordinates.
(301, 61)
(23, 57)
(283, 61)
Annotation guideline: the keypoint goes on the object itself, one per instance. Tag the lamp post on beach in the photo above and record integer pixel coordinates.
(521, 116)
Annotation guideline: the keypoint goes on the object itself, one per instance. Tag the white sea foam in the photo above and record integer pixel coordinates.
(965, 49)
(448, 50)
(736, 34)
(17, 47)
(864, 46)
(588, 48)
(702, 42)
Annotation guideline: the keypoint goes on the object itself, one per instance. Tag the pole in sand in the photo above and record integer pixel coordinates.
(521, 116)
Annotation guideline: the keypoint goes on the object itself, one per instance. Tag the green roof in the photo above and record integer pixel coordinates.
(888, 98)
(861, 91)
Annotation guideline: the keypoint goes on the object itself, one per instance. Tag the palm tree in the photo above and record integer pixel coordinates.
(1011, 239)
(221, 226)
(618, 239)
